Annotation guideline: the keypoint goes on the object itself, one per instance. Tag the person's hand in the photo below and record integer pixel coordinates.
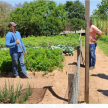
(17, 41)
(94, 40)
(25, 52)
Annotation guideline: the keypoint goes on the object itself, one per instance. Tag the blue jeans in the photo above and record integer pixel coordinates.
(92, 55)
(15, 58)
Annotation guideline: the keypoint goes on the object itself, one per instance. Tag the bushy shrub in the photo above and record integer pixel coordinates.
(45, 59)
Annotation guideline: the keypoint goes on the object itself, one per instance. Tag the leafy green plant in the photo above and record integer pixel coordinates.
(12, 97)
(1, 96)
(20, 100)
(28, 92)
(45, 59)
(66, 49)
(40, 57)
(5, 91)
(71, 40)
(26, 95)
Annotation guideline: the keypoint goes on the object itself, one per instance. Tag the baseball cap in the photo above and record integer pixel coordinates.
(90, 20)
(11, 24)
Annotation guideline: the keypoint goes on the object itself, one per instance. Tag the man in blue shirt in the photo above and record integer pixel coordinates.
(15, 50)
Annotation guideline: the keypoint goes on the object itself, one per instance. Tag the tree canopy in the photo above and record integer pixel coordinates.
(76, 14)
(40, 17)
(102, 10)
(43, 17)
(5, 9)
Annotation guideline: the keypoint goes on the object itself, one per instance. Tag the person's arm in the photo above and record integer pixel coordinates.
(99, 35)
(98, 32)
(7, 41)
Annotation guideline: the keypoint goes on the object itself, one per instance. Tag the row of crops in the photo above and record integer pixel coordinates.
(44, 53)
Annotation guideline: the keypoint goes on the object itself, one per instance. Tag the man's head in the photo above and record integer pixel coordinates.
(12, 26)
(90, 21)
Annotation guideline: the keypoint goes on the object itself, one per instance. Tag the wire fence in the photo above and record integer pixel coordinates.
(73, 80)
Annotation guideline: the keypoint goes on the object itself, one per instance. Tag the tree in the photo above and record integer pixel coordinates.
(40, 17)
(76, 14)
(102, 10)
(5, 9)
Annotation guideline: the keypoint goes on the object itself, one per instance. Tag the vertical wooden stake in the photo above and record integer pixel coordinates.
(47, 43)
(71, 88)
(87, 21)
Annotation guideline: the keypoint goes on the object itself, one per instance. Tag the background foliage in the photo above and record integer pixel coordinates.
(100, 16)
(44, 17)
(5, 9)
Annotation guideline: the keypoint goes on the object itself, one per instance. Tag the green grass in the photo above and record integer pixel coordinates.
(103, 44)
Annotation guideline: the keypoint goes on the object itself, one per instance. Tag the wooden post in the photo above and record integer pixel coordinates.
(87, 21)
(78, 70)
(71, 88)
(80, 34)
(78, 52)
(47, 43)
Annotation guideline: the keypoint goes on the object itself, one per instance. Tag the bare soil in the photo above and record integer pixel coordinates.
(98, 78)
(52, 88)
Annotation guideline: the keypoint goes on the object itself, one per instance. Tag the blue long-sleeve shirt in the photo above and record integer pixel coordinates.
(10, 42)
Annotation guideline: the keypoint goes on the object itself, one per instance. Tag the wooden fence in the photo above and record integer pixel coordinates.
(73, 80)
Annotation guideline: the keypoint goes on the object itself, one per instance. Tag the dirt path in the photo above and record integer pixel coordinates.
(53, 87)
(98, 79)
(58, 94)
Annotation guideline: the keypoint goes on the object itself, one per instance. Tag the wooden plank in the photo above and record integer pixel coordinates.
(71, 92)
(78, 72)
(87, 13)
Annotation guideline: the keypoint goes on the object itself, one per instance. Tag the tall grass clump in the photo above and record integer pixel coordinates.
(101, 24)
(8, 93)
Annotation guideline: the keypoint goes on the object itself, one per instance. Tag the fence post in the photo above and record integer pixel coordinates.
(81, 44)
(73, 81)
(87, 21)
(78, 71)
(47, 43)
(81, 49)
(71, 88)
(78, 52)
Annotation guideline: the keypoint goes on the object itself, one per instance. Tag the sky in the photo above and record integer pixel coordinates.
(93, 3)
